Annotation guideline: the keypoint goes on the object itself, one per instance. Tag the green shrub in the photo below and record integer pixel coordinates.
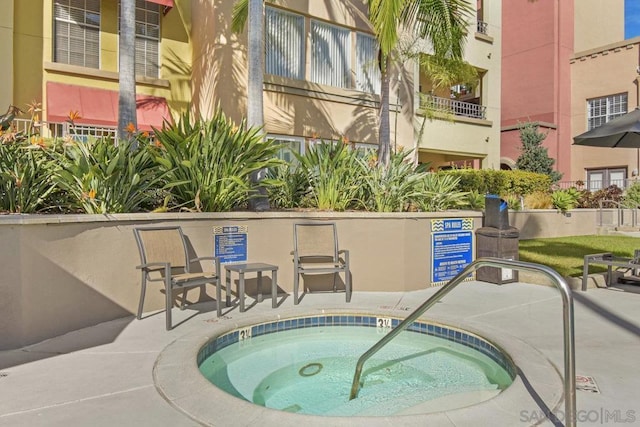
(632, 195)
(565, 200)
(394, 188)
(488, 181)
(441, 193)
(290, 187)
(334, 174)
(25, 167)
(208, 164)
(100, 177)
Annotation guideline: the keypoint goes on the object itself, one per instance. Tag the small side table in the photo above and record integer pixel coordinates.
(254, 267)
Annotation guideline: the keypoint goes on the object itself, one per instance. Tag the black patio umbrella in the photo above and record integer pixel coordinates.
(621, 132)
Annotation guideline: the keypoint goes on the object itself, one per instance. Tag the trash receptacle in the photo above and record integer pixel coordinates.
(496, 212)
(497, 243)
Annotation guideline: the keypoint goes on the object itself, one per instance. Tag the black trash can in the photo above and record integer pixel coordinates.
(496, 243)
(496, 212)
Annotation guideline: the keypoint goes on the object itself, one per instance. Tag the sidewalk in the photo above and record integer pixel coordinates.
(102, 375)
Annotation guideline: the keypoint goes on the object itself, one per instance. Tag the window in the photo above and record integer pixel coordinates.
(288, 146)
(147, 38)
(284, 44)
(77, 32)
(601, 110)
(367, 69)
(330, 55)
(603, 178)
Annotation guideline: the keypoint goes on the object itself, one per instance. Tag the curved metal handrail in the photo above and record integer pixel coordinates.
(568, 325)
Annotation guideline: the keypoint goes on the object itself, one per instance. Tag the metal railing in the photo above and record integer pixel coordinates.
(482, 27)
(78, 132)
(621, 208)
(597, 185)
(453, 106)
(567, 315)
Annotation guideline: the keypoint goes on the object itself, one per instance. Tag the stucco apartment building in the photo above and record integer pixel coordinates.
(567, 67)
(321, 79)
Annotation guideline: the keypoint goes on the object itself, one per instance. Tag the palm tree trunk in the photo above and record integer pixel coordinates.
(127, 69)
(384, 135)
(255, 109)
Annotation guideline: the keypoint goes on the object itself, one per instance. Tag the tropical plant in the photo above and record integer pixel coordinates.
(334, 175)
(565, 200)
(101, 177)
(291, 188)
(209, 163)
(441, 193)
(474, 200)
(24, 168)
(514, 201)
(394, 188)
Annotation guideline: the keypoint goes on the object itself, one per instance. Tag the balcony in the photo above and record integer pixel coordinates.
(470, 108)
(481, 27)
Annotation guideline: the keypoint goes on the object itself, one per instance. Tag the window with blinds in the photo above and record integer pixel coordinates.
(77, 32)
(284, 44)
(367, 68)
(601, 110)
(330, 55)
(147, 39)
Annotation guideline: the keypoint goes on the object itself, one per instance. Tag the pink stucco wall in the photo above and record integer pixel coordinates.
(536, 77)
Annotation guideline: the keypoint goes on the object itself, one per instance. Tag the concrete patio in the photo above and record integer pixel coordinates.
(103, 375)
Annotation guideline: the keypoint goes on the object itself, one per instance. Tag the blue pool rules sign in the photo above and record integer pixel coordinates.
(230, 243)
(451, 248)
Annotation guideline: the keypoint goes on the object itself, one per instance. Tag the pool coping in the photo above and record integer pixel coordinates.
(537, 386)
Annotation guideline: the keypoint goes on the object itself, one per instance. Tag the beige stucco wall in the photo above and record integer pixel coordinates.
(598, 23)
(62, 273)
(6, 53)
(619, 63)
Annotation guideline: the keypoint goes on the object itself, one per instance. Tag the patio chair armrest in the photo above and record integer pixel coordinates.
(215, 259)
(151, 265)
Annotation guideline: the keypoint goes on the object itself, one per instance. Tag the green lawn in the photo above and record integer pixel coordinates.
(566, 254)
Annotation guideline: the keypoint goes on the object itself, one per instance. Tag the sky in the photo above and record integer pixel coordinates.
(631, 18)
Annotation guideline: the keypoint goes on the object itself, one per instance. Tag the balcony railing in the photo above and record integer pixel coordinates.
(594, 185)
(79, 132)
(471, 109)
(482, 27)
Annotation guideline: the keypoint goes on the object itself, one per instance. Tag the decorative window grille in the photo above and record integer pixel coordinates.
(330, 55)
(601, 110)
(367, 67)
(77, 32)
(284, 44)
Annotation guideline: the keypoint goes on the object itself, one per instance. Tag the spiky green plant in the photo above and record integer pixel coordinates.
(394, 188)
(290, 186)
(101, 177)
(440, 193)
(334, 174)
(24, 171)
(210, 162)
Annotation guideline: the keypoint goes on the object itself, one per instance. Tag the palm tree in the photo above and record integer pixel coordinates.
(441, 22)
(253, 10)
(127, 68)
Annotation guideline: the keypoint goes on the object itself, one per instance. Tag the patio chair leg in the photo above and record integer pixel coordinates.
(347, 284)
(219, 297)
(169, 304)
(143, 289)
(296, 284)
(184, 298)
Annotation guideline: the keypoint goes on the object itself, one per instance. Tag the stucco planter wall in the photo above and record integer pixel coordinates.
(62, 273)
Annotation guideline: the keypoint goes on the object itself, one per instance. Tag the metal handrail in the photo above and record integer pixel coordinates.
(568, 325)
(621, 208)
